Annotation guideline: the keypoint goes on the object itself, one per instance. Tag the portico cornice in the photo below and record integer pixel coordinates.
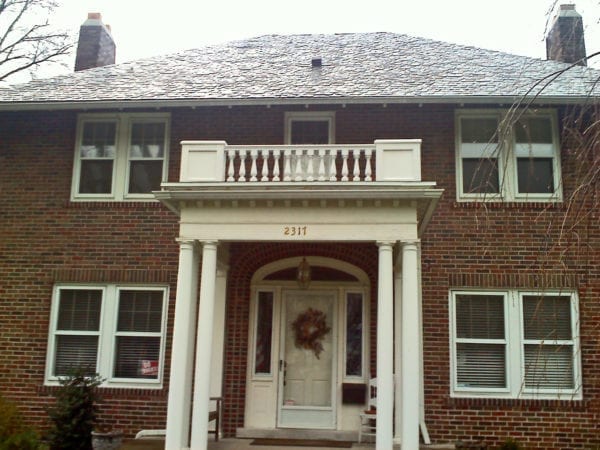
(368, 198)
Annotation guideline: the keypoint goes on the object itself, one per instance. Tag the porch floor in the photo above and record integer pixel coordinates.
(244, 444)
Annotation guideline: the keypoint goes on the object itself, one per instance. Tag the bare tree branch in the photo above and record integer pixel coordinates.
(27, 40)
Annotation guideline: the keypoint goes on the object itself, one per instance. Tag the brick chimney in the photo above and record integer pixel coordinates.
(96, 47)
(565, 41)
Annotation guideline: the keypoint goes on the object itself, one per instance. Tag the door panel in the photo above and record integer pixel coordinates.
(307, 372)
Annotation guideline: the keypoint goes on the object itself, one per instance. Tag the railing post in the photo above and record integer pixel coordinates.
(202, 161)
(398, 160)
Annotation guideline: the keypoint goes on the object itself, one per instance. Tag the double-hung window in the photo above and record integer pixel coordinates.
(120, 156)
(115, 331)
(515, 344)
(503, 159)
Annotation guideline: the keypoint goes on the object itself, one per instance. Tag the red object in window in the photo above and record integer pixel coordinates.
(148, 367)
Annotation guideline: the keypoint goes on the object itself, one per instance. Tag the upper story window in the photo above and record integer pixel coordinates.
(309, 127)
(515, 344)
(115, 331)
(120, 156)
(498, 160)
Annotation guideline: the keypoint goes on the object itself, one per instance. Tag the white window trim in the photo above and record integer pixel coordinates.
(507, 152)
(515, 359)
(120, 178)
(308, 116)
(107, 335)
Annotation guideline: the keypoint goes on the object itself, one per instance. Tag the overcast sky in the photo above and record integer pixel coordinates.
(143, 28)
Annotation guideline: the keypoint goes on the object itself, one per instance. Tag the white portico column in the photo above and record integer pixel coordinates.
(411, 338)
(182, 353)
(397, 351)
(385, 348)
(204, 347)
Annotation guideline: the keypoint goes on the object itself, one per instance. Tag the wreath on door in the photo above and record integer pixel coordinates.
(310, 328)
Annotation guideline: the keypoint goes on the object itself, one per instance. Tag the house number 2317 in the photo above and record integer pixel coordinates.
(295, 231)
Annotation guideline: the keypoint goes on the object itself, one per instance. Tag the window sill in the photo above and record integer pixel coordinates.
(114, 204)
(575, 404)
(514, 204)
(148, 391)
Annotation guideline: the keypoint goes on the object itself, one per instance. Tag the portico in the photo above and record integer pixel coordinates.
(388, 213)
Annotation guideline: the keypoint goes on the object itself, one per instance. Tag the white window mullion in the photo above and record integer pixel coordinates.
(107, 326)
(121, 169)
(514, 335)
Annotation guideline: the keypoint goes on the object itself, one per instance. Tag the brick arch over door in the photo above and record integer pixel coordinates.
(244, 260)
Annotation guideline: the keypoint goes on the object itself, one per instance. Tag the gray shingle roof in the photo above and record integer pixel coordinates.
(364, 66)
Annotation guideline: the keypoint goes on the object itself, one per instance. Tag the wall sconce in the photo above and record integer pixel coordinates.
(303, 274)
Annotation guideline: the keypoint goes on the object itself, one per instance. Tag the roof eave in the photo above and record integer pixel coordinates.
(192, 103)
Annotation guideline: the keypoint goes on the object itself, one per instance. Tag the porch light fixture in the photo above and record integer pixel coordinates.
(303, 274)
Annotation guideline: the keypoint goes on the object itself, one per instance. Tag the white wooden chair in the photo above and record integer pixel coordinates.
(368, 418)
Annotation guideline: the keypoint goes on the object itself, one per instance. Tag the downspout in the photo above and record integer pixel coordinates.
(422, 424)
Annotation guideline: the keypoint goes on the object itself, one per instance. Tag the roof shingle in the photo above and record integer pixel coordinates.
(363, 66)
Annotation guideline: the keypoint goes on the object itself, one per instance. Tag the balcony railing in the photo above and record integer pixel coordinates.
(384, 160)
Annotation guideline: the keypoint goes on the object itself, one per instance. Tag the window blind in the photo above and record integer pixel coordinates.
(481, 349)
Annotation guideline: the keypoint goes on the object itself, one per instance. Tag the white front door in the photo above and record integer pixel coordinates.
(307, 360)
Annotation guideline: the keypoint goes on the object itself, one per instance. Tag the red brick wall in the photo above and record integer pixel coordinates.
(45, 238)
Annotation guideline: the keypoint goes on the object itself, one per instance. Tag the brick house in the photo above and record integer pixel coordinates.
(259, 220)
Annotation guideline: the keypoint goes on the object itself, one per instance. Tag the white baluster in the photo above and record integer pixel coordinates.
(287, 165)
(253, 171)
(356, 168)
(310, 169)
(242, 174)
(230, 169)
(276, 156)
(322, 156)
(300, 168)
(332, 166)
(368, 169)
(344, 165)
(264, 170)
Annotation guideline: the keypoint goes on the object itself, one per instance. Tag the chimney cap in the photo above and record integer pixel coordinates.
(567, 10)
(316, 62)
(94, 19)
